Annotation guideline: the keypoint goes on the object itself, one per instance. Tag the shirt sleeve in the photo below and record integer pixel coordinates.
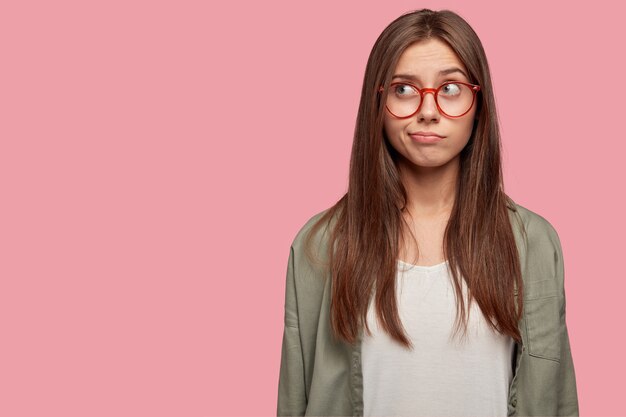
(567, 393)
(291, 386)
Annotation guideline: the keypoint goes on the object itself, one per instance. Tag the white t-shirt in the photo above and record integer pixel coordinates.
(444, 375)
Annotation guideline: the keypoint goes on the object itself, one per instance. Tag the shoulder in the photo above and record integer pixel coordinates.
(307, 227)
(310, 244)
(317, 234)
(541, 255)
(539, 232)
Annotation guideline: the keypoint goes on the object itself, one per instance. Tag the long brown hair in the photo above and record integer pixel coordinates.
(368, 220)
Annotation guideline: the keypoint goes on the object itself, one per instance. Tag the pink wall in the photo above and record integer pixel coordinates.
(154, 170)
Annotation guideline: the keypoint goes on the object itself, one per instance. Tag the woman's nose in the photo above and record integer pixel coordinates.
(428, 109)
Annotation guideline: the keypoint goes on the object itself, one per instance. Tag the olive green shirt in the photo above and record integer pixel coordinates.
(321, 376)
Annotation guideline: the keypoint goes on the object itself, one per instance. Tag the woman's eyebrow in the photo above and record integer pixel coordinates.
(442, 72)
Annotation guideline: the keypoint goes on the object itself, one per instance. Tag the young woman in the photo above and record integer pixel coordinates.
(425, 243)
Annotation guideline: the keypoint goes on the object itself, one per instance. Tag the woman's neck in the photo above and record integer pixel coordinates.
(431, 191)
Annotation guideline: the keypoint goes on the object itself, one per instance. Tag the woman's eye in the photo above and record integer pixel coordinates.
(451, 89)
(404, 90)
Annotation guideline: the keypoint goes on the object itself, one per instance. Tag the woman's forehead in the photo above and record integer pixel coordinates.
(431, 57)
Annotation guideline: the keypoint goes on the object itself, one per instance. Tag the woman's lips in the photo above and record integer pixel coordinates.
(425, 138)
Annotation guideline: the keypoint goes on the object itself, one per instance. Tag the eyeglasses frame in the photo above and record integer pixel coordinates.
(475, 89)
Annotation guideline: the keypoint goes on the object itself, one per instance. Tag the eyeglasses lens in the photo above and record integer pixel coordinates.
(454, 99)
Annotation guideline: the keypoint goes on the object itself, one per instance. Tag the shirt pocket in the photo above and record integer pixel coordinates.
(541, 313)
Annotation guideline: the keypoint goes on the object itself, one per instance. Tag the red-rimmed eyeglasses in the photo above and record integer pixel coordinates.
(453, 98)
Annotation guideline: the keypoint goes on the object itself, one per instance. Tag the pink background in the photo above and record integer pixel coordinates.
(155, 168)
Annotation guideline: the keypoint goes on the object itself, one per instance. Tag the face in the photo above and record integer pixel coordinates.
(424, 60)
